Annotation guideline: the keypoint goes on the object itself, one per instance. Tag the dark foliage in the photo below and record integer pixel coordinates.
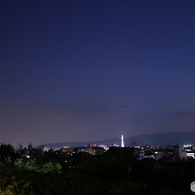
(116, 172)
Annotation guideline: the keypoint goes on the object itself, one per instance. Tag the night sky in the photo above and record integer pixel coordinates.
(88, 70)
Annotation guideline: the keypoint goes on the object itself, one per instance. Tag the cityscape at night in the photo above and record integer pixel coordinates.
(97, 97)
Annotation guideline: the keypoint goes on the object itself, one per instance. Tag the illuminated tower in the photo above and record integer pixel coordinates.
(122, 142)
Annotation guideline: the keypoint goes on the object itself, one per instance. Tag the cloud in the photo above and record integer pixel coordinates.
(179, 118)
(134, 119)
(79, 109)
(57, 122)
(180, 114)
(4, 103)
(125, 106)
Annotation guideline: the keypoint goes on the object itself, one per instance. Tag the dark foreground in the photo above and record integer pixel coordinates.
(116, 172)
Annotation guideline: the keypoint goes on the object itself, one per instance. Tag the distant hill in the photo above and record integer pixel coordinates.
(162, 139)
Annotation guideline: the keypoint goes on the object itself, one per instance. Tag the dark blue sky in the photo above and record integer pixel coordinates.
(92, 70)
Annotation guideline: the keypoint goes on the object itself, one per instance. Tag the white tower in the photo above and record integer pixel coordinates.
(122, 142)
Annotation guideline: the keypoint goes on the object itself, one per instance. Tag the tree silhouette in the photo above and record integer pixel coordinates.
(7, 154)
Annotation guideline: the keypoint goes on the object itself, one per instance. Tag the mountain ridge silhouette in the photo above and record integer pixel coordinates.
(160, 139)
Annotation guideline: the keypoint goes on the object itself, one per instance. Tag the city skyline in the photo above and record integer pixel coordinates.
(92, 70)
